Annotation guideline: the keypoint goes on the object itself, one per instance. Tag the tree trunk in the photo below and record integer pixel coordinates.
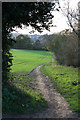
(79, 33)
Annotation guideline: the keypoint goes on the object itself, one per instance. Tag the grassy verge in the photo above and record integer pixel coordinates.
(65, 80)
(22, 96)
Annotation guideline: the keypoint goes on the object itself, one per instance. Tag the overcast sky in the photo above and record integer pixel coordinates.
(59, 20)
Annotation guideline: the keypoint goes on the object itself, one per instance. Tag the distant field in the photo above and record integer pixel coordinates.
(27, 60)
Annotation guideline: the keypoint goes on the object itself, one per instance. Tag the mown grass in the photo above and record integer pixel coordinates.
(65, 80)
(21, 95)
(27, 60)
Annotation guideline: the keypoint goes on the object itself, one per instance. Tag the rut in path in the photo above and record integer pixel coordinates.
(57, 105)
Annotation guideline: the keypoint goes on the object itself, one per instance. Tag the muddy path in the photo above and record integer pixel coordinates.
(57, 105)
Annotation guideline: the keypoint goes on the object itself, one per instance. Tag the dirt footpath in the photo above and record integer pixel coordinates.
(57, 105)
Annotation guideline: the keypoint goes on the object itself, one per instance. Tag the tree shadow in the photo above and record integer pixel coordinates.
(20, 101)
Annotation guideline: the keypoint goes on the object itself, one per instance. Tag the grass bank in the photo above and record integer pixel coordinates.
(65, 80)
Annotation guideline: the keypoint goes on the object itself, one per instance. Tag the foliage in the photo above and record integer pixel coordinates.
(65, 48)
(27, 60)
(65, 80)
(22, 42)
(37, 45)
(43, 39)
(16, 14)
(73, 17)
(22, 96)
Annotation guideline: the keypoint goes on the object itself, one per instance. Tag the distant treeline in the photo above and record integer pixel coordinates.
(63, 45)
(24, 42)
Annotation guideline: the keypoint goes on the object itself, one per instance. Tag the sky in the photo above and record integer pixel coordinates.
(59, 20)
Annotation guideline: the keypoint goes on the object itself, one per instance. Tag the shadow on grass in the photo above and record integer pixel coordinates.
(17, 101)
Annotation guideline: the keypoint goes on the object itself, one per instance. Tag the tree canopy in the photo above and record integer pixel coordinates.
(36, 14)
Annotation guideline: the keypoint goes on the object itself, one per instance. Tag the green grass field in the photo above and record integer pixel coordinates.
(27, 60)
(21, 94)
(65, 80)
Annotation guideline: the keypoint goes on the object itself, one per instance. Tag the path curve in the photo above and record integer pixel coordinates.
(57, 105)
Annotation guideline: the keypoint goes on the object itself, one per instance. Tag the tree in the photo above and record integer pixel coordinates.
(23, 42)
(37, 45)
(73, 16)
(65, 48)
(36, 14)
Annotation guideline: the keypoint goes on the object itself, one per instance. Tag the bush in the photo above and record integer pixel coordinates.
(65, 48)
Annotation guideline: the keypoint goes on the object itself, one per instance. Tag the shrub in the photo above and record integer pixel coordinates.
(65, 48)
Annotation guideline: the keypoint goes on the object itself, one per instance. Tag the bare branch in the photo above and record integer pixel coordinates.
(70, 23)
(71, 15)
